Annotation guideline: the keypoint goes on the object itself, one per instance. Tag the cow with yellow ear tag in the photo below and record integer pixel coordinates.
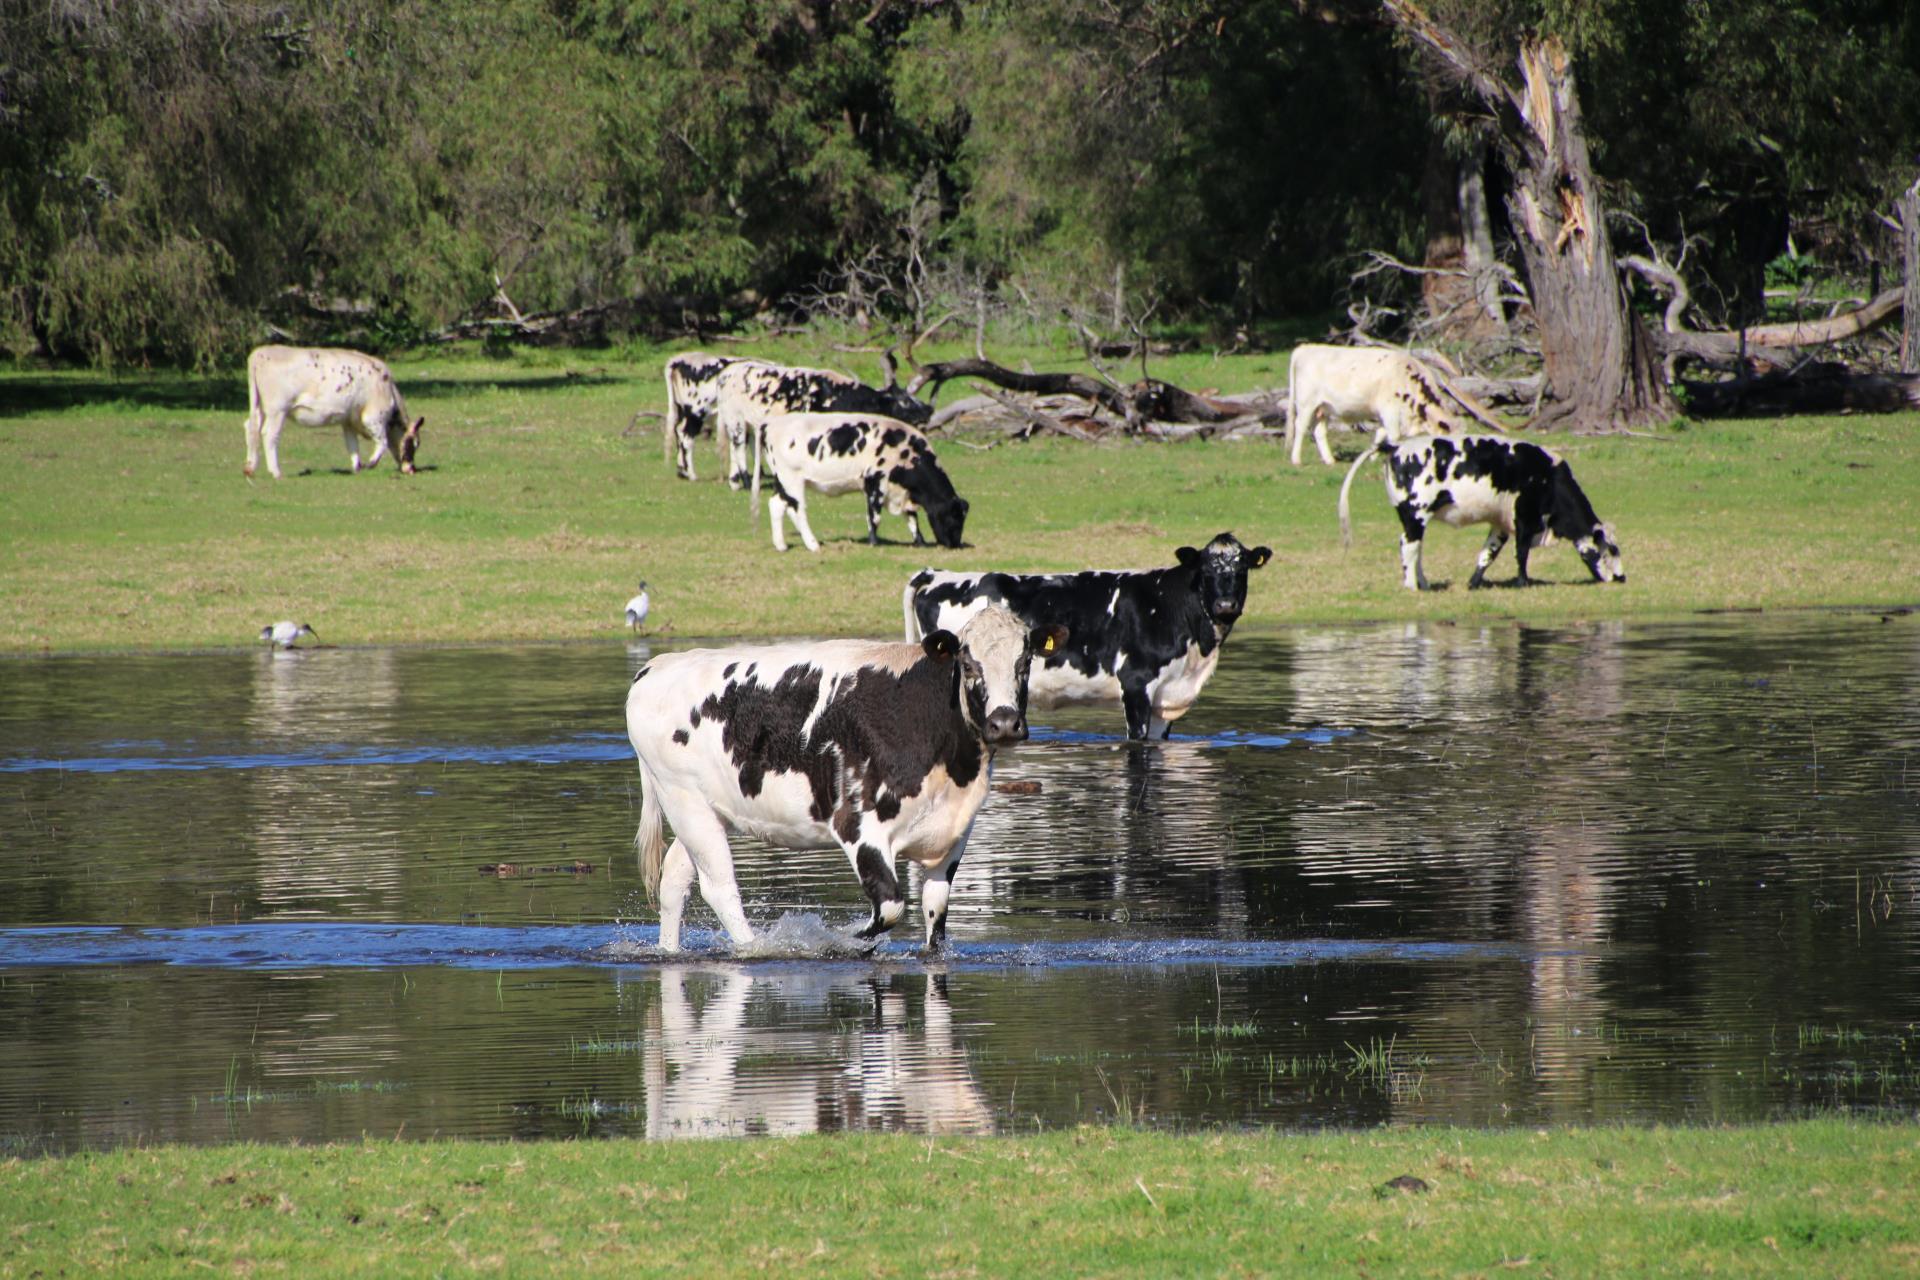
(1147, 639)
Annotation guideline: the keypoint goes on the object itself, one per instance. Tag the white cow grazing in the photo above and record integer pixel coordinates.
(1365, 384)
(323, 387)
(880, 749)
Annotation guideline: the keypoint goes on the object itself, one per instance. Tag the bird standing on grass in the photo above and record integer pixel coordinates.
(637, 607)
(282, 634)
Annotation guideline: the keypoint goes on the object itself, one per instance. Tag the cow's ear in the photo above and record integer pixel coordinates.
(418, 423)
(1259, 556)
(1048, 640)
(941, 646)
(1187, 556)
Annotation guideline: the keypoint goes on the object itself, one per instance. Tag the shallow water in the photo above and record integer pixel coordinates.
(1410, 873)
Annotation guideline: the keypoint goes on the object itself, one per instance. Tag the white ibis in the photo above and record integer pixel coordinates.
(637, 607)
(281, 635)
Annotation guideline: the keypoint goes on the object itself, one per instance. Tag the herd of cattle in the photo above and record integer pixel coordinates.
(883, 749)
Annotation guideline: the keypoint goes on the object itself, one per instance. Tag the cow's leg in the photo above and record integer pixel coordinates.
(777, 509)
(1488, 553)
(698, 829)
(352, 438)
(684, 431)
(1298, 430)
(1413, 532)
(872, 858)
(253, 441)
(913, 523)
(676, 877)
(270, 433)
(1525, 532)
(1139, 709)
(799, 513)
(876, 504)
(1320, 426)
(935, 887)
(737, 455)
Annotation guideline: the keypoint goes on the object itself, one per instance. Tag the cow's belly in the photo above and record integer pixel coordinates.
(1476, 502)
(1062, 686)
(1174, 691)
(324, 414)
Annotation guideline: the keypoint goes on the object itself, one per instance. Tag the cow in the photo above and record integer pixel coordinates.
(1148, 639)
(1364, 384)
(1526, 494)
(836, 453)
(741, 395)
(693, 383)
(321, 387)
(882, 749)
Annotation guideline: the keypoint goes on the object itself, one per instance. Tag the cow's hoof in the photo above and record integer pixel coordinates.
(1476, 583)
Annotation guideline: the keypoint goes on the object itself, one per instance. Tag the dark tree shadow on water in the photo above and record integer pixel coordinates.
(32, 394)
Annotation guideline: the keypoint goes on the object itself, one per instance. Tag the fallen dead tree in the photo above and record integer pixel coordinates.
(1139, 405)
(1821, 387)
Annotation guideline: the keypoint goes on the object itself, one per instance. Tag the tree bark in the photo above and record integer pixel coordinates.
(1149, 399)
(1600, 367)
(1909, 206)
(1458, 289)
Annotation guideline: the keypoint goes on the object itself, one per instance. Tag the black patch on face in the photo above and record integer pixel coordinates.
(928, 488)
(881, 733)
(680, 736)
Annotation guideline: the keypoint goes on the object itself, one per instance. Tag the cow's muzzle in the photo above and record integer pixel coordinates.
(1224, 612)
(1006, 725)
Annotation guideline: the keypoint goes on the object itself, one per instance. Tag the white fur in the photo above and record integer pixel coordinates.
(318, 387)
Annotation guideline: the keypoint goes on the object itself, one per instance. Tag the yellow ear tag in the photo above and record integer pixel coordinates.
(1048, 646)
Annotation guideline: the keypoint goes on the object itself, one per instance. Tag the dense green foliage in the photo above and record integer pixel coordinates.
(1824, 1197)
(176, 175)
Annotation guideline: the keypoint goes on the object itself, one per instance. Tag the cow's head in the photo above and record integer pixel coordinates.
(1601, 554)
(994, 651)
(927, 486)
(1220, 573)
(405, 443)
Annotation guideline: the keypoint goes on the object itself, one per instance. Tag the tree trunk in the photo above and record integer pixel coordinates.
(1601, 371)
(1909, 206)
(1600, 367)
(1458, 289)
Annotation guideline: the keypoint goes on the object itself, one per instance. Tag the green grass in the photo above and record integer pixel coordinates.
(1825, 1197)
(128, 525)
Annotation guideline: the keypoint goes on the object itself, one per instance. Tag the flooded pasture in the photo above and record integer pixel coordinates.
(1474, 874)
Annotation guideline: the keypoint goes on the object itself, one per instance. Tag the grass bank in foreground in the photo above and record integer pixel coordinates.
(1825, 1197)
(129, 525)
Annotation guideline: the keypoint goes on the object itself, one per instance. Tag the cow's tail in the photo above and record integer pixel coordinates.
(906, 608)
(650, 839)
(1293, 403)
(1346, 522)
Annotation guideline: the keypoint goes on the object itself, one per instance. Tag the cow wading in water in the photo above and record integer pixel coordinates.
(884, 458)
(1527, 494)
(323, 387)
(1147, 639)
(881, 749)
(738, 395)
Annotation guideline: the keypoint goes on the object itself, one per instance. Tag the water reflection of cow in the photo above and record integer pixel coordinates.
(724, 1058)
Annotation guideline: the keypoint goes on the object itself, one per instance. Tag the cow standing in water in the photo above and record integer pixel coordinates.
(1147, 639)
(323, 387)
(881, 749)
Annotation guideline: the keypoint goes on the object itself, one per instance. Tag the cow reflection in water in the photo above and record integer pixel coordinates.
(724, 1057)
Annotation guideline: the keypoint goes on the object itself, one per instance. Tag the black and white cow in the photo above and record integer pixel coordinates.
(835, 453)
(881, 749)
(740, 395)
(1148, 639)
(693, 384)
(1526, 493)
